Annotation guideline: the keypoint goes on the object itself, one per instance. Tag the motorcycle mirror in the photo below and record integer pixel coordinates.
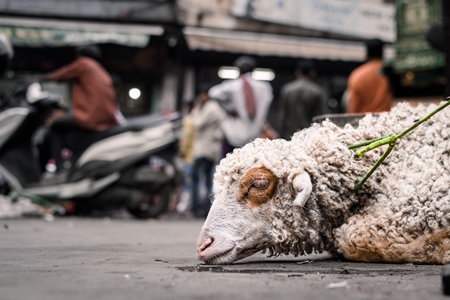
(35, 93)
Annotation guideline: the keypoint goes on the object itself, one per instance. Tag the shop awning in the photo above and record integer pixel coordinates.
(35, 32)
(263, 44)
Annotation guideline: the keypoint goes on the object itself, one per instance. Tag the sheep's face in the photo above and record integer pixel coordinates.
(252, 186)
(263, 195)
(238, 222)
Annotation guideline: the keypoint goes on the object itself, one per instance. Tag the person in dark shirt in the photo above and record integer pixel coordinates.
(300, 100)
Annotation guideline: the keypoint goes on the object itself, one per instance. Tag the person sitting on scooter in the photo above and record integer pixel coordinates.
(93, 102)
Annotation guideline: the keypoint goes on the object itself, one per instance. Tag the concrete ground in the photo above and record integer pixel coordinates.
(82, 258)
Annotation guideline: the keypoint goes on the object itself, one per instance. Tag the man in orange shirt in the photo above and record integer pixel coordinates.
(368, 87)
(93, 102)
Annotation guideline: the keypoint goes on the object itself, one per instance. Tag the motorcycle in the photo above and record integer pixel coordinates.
(134, 165)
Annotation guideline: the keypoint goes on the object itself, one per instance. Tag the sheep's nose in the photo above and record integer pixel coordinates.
(202, 247)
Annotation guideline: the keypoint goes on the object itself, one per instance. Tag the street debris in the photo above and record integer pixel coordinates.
(295, 275)
(49, 217)
(19, 207)
(342, 284)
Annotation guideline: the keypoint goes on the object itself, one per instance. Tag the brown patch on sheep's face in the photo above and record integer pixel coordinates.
(257, 186)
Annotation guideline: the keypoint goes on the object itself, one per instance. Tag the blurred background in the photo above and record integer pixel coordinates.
(160, 50)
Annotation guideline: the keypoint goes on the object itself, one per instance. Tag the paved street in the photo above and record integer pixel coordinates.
(77, 258)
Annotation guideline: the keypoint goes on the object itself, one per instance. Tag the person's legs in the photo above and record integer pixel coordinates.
(44, 153)
(65, 133)
(57, 133)
(185, 202)
(202, 169)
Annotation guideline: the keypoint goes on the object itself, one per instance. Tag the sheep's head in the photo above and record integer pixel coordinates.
(257, 189)
(285, 196)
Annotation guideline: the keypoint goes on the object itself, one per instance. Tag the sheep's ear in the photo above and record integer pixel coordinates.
(303, 187)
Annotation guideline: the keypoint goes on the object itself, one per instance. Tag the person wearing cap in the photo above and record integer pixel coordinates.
(93, 101)
(246, 102)
(300, 100)
(368, 88)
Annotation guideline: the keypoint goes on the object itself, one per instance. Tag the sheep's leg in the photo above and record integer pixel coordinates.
(378, 242)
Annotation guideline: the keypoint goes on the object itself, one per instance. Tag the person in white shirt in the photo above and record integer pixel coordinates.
(246, 102)
(207, 117)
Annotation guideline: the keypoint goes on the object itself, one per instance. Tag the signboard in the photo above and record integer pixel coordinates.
(39, 37)
(414, 18)
(362, 20)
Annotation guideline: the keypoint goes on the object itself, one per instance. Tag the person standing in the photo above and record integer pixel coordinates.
(93, 101)
(368, 88)
(301, 100)
(246, 102)
(186, 151)
(207, 117)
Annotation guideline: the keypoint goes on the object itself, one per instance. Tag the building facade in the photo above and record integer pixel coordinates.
(166, 48)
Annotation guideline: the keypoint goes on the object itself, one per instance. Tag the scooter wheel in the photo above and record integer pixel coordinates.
(153, 204)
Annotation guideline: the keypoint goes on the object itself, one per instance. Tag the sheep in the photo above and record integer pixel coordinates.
(297, 197)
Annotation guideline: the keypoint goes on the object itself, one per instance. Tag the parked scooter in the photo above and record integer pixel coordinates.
(133, 165)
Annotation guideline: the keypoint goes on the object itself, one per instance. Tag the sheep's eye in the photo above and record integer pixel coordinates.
(260, 184)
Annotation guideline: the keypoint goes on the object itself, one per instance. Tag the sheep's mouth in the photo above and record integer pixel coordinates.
(229, 256)
(223, 257)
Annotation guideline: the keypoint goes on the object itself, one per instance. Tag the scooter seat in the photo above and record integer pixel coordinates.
(114, 131)
(133, 124)
(84, 140)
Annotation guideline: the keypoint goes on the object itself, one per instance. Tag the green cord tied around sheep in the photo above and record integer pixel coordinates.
(390, 140)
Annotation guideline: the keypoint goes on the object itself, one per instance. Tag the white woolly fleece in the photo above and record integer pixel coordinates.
(401, 214)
